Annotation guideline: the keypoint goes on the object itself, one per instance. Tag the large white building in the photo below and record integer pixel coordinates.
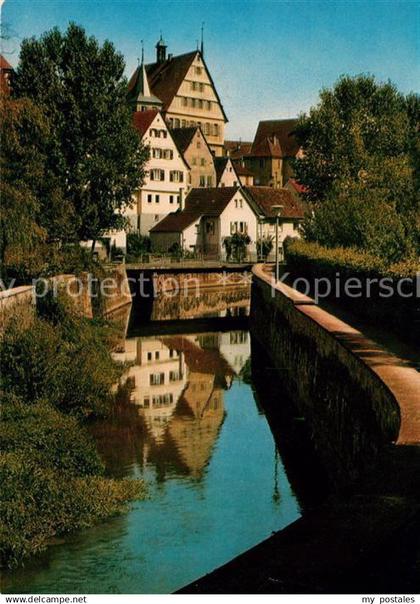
(166, 181)
(212, 215)
(185, 88)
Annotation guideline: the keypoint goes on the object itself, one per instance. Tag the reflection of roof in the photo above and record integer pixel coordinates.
(274, 138)
(267, 197)
(142, 120)
(201, 360)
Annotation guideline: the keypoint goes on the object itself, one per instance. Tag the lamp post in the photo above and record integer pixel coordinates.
(277, 210)
(260, 220)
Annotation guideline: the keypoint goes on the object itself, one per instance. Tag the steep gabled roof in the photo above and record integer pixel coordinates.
(176, 222)
(220, 166)
(267, 197)
(142, 120)
(240, 169)
(166, 78)
(237, 149)
(183, 137)
(275, 138)
(199, 202)
(139, 89)
(4, 63)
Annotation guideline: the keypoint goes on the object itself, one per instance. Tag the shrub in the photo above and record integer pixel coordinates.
(137, 245)
(65, 360)
(39, 502)
(47, 437)
(308, 255)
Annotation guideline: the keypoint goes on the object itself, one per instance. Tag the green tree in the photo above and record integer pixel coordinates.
(94, 151)
(22, 128)
(360, 147)
(355, 122)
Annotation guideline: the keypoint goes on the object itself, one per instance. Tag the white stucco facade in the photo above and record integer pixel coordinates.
(166, 180)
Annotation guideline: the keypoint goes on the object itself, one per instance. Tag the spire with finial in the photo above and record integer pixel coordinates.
(142, 52)
(202, 39)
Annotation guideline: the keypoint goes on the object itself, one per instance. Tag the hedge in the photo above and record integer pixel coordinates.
(349, 260)
(312, 261)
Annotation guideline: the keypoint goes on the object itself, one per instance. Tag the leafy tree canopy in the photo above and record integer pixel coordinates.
(93, 149)
(360, 152)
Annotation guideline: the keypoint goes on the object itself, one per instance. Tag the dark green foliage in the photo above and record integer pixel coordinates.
(47, 437)
(54, 373)
(301, 253)
(39, 502)
(64, 360)
(93, 150)
(361, 150)
(265, 246)
(138, 245)
(235, 246)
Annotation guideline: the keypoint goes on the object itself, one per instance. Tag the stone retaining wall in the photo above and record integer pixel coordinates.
(18, 301)
(355, 395)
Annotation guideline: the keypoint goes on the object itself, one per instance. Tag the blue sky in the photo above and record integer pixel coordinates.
(268, 58)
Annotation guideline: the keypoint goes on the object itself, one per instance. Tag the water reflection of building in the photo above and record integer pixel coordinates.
(178, 386)
(228, 301)
(235, 346)
(157, 378)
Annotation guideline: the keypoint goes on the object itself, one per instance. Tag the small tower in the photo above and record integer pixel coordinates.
(161, 50)
(139, 94)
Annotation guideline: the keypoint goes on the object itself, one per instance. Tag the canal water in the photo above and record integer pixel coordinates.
(188, 424)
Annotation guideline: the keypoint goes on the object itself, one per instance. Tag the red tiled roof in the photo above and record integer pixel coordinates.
(297, 186)
(4, 63)
(199, 202)
(211, 201)
(267, 197)
(242, 170)
(237, 149)
(176, 222)
(143, 119)
(274, 138)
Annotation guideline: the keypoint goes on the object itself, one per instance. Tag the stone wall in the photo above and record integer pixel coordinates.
(17, 302)
(356, 396)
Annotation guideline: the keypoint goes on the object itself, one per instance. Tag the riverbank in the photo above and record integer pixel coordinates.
(57, 372)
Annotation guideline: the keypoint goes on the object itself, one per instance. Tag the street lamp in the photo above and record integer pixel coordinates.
(260, 220)
(277, 210)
